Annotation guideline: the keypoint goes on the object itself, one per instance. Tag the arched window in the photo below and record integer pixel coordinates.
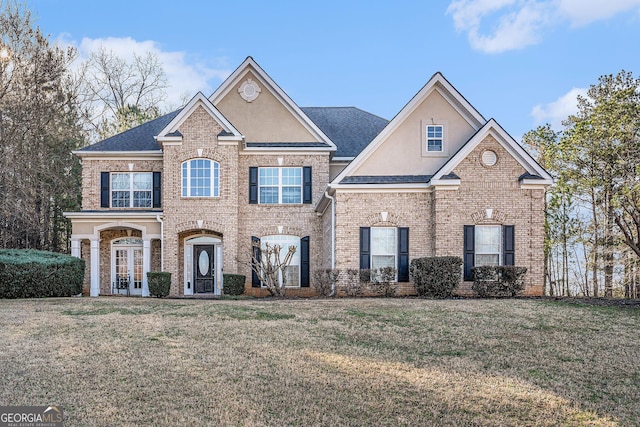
(200, 178)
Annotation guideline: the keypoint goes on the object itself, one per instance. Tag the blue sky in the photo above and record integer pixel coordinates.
(521, 62)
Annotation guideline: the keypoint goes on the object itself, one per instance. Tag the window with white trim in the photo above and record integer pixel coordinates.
(285, 241)
(280, 185)
(488, 247)
(200, 178)
(435, 138)
(131, 190)
(384, 247)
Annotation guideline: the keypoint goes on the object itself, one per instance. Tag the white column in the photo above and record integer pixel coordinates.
(95, 267)
(146, 265)
(75, 248)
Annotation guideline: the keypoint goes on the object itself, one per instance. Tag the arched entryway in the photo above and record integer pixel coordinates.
(202, 265)
(127, 266)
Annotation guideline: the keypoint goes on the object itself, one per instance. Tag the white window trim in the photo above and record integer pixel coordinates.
(215, 189)
(296, 256)
(280, 185)
(476, 252)
(131, 190)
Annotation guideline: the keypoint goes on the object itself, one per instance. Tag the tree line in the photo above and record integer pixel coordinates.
(593, 209)
(52, 103)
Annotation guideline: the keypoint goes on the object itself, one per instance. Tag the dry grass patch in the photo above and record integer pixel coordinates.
(132, 361)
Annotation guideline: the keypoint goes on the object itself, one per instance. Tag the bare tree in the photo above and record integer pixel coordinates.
(117, 94)
(270, 264)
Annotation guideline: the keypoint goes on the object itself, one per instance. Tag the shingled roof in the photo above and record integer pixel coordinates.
(139, 138)
(350, 128)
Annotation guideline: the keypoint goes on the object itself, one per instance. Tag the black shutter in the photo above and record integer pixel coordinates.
(104, 189)
(306, 185)
(253, 185)
(403, 254)
(304, 262)
(469, 249)
(255, 248)
(509, 249)
(365, 248)
(157, 190)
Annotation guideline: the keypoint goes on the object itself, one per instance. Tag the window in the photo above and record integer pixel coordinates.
(434, 138)
(280, 185)
(131, 190)
(200, 178)
(293, 270)
(487, 245)
(385, 247)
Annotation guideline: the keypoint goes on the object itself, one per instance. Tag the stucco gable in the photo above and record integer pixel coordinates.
(398, 148)
(265, 114)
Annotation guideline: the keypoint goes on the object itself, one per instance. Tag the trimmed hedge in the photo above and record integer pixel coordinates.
(159, 283)
(233, 284)
(498, 281)
(436, 277)
(28, 273)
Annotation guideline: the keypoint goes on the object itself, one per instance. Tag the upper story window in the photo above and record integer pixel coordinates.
(200, 178)
(131, 190)
(280, 185)
(435, 138)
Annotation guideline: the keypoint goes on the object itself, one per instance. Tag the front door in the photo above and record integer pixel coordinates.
(203, 266)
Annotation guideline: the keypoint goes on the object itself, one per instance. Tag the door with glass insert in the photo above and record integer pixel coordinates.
(128, 270)
(203, 266)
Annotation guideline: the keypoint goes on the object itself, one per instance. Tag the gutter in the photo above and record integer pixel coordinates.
(161, 242)
(333, 237)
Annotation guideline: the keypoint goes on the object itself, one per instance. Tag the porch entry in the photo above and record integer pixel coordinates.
(127, 266)
(202, 265)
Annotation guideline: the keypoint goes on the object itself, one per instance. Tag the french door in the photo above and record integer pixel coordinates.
(128, 270)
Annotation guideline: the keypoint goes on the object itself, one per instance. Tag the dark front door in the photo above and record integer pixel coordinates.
(203, 268)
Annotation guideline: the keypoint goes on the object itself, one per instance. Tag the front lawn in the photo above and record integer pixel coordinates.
(134, 361)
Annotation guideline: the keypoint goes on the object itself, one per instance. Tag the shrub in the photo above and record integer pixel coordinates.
(436, 277)
(498, 281)
(36, 274)
(324, 280)
(159, 283)
(351, 284)
(383, 281)
(233, 284)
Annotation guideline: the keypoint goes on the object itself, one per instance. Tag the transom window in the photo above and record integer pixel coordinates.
(200, 178)
(131, 190)
(280, 185)
(434, 138)
(284, 241)
(488, 245)
(384, 247)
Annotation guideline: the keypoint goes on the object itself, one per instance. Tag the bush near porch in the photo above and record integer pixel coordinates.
(159, 283)
(28, 273)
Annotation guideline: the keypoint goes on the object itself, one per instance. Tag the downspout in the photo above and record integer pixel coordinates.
(161, 242)
(333, 237)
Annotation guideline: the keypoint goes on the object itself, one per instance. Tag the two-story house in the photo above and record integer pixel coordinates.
(191, 191)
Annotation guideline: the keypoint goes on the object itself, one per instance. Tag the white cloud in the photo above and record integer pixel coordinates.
(557, 111)
(583, 12)
(516, 24)
(185, 77)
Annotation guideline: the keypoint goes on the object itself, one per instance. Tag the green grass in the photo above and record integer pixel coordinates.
(253, 362)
